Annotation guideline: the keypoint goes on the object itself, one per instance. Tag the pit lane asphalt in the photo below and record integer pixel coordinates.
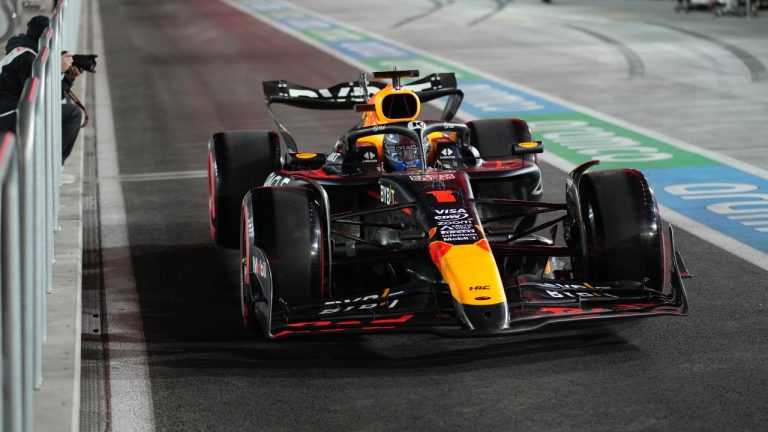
(181, 70)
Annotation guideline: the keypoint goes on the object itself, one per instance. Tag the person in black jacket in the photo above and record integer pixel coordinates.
(21, 51)
(71, 116)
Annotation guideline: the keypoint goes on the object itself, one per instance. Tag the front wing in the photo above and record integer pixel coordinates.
(426, 308)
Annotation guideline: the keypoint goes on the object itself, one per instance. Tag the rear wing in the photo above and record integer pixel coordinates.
(348, 94)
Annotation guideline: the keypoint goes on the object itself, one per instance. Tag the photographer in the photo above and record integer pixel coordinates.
(21, 51)
(71, 113)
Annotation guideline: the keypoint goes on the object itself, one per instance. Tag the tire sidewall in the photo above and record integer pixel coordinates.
(623, 232)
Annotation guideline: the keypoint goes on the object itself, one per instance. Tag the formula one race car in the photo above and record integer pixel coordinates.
(430, 226)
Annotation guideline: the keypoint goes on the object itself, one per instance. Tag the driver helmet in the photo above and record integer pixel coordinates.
(401, 152)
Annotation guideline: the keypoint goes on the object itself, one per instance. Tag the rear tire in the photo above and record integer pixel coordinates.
(622, 229)
(237, 162)
(495, 137)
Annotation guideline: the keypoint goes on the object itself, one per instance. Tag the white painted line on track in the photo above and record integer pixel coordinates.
(705, 233)
(158, 176)
(130, 396)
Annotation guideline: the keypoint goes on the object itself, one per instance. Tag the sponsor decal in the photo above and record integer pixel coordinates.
(528, 144)
(259, 267)
(450, 211)
(560, 286)
(446, 225)
(567, 291)
(432, 177)
(416, 125)
(453, 233)
(305, 155)
(277, 180)
(447, 153)
(451, 222)
(373, 301)
(341, 94)
(335, 158)
(387, 194)
(577, 294)
(369, 157)
(479, 287)
(411, 147)
(455, 224)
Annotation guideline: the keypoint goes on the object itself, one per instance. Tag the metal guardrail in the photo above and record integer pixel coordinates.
(30, 181)
(10, 280)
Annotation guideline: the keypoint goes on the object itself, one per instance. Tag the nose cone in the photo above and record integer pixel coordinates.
(485, 318)
(473, 277)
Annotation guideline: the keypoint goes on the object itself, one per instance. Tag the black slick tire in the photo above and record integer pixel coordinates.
(237, 162)
(289, 227)
(494, 137)
(622, 228)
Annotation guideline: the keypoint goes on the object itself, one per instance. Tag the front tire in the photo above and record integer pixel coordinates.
(289, 227)
(623, 238)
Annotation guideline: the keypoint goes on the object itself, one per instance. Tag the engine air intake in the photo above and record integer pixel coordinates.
(400, 106)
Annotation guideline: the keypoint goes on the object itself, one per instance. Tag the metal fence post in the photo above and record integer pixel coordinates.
(55, 96)
(25, 128)
(10, 280)
(44, 234)
(45, 116)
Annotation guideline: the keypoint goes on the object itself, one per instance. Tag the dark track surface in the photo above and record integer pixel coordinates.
(182, 69)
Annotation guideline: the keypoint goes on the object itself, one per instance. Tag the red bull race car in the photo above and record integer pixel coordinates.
(434, 226)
